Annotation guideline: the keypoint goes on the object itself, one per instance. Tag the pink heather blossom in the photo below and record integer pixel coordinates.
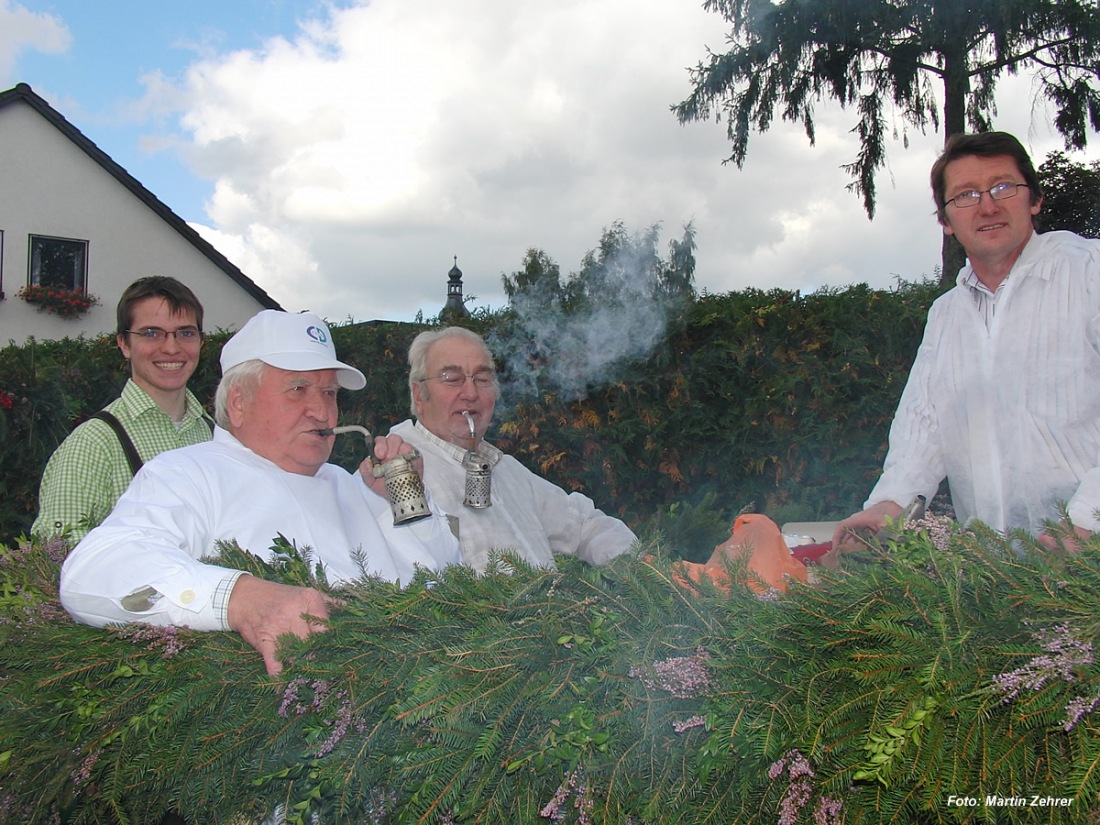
(552, 810)
(572, 786)
(166, 639)
(321, 689)
(687, 724)
(799, 784)
(828, 811)
(938, 526)
(290, 698)
(1078, 708)
(684, 677)
(344, 720)
(84, 772)
(1065, 654)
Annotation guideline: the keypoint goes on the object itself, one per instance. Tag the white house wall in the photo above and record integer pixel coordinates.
(50, 186)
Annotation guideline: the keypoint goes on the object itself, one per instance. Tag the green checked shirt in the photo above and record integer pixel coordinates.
(89, 471)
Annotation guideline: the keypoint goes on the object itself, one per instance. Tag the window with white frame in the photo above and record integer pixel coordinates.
(58, 262)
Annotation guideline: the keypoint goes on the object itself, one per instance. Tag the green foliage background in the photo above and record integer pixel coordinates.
(771, 400)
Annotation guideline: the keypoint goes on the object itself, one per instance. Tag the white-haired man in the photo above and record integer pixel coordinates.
(451, 382)
(265, 473)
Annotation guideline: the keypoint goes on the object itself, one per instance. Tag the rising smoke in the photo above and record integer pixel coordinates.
(572, 340)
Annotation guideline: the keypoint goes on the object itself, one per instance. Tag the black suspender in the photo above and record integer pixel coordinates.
(124, 438)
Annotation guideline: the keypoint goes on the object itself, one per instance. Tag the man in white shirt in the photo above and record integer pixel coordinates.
(264, 474)
(451, 382)
(1004, 396)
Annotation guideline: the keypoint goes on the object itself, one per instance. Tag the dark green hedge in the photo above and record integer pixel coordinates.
(771, 400)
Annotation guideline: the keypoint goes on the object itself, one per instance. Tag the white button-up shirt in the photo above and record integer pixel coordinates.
(1008, 411)
(529, 515)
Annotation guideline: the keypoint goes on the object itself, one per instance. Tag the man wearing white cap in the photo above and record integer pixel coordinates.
(264, 474)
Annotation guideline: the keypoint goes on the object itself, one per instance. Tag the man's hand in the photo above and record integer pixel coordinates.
(385, 448)
(262, 611)
(859, 526)
(1065, 538)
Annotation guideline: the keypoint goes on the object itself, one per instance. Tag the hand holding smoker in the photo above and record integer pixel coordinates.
(404, 486)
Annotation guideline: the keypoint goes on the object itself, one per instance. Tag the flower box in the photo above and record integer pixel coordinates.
(65, 303)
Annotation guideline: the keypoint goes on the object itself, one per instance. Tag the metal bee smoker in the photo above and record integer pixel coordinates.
(404, 486)
(479, 482)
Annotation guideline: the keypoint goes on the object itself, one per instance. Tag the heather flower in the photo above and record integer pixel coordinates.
(12, 811)
(166, 639)
(938, 527)
(572, 786)
(343, 721)
(84, 772)
(1077, 708)
(689, 723)
(316, 695)
(290, 698)
(684, 677)
(553, 810)
(380, 803)
(1065, 655)
(828, 811)
(320, 690)
(56, 549)
(799, 784)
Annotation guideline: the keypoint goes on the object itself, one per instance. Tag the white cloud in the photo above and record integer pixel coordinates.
(23, 30)
(353, 161)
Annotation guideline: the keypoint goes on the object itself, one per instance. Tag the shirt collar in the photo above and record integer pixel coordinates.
(484, 449)
(1031, 254)
(137, 402)
(970, 280)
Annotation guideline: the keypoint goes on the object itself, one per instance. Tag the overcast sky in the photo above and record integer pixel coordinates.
(343, 153)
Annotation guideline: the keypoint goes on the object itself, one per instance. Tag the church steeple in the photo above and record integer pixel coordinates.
(455, 306)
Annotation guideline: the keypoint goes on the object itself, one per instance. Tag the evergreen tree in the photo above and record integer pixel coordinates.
(1071, 195)
(625, 267)
(904, 55)
(538, 283)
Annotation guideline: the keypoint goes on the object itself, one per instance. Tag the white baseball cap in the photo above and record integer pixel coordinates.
(297, 342)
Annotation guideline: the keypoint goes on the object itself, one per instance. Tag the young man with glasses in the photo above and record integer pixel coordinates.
(1004, 396)
(159, 333)
(453, 388)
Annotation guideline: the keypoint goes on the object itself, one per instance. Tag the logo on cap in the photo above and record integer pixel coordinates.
(317, 334)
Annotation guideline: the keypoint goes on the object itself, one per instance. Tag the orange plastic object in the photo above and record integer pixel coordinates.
(770, 564)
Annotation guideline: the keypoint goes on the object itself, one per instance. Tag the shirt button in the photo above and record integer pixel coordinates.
(187, 596)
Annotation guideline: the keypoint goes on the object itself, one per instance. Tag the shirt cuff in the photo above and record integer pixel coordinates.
(219, 602)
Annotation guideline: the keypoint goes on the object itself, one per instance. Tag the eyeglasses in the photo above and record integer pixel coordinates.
(456, 379)
(972, 197)
(183, 335)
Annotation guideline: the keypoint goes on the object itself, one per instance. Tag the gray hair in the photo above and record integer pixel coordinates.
(246, 376)
(418, 358)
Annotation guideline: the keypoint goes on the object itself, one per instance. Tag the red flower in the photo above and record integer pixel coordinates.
(66, 303)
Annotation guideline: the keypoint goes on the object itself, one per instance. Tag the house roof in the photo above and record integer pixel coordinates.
(23, 92)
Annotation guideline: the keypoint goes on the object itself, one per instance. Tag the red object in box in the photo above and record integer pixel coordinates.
(809, 553)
